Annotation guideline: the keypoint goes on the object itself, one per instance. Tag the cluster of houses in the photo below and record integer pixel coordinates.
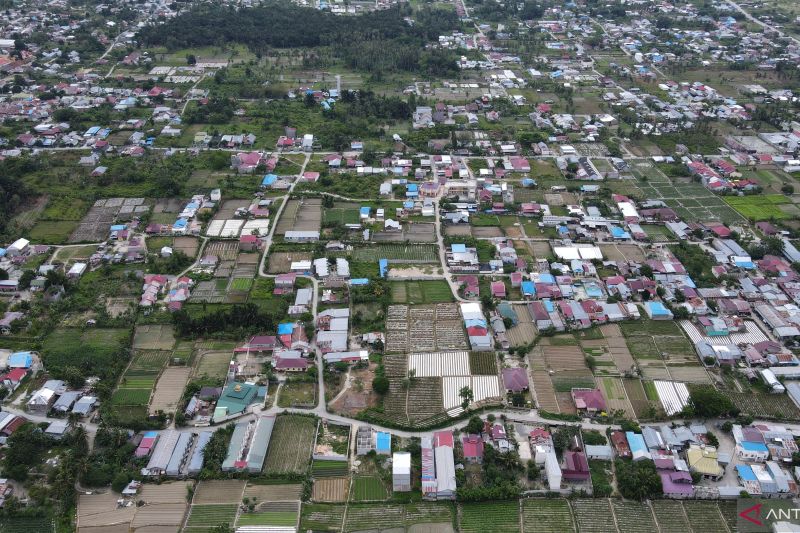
(172, 291)
(187, 222)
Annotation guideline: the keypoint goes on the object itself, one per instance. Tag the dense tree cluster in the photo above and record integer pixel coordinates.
(13, 191)
(375, 42)
(638, 480)
(239, 320)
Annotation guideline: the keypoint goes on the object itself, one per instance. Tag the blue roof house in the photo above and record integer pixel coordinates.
(657, 311)
(383, 443)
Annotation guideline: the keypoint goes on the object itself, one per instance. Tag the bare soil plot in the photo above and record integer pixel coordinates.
(273, 493)
(219, 491)
(169, 389)
(524, 332)
(154, 337)
(542, 386)
(614, 392)
(483, 232)
(622, 252)
(101, 510)
(689, 373)
(541, 249)
(229, 207)
(358, 394)
(225, 250)
(247, 259)
(212, 363)
(330, 489)
(654, 370)
(187, 245)
(425, 328)
(168, 205)
(459, 230)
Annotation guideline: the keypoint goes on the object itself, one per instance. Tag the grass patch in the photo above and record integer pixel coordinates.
(52, 232)
(759, 206)
(368, 488)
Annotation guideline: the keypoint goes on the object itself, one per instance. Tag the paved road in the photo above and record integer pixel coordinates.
(764, 25)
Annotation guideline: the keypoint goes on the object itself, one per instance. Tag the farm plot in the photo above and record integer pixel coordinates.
(638, 399)
(421, 292)
(546, 516)
(149, 360)
(323, 469)
(775, 406)
(169, 389)
(424, 329)
(440, 364)
(342, 213)
(484, 388)
(371, 517)
(650, 339)
(320, 517)
(219, 491)
(560, 358)
(593, 516)
(524, 332)
(331, 490)
(212, 363)
(704, 516)
(281, 262)
(670, 516)
(290, 445)
(93, 227)
(482, 364)
(368, 488)
(489, 516)
(224, 250)
(39, 524)
(404, 253)
(154, 337)
(210, 291)
(614, 392)
(300, 215)
(273, 493)
(617, 347)
(207, 517)
(277, 518)
(633, 517)
(187, 245)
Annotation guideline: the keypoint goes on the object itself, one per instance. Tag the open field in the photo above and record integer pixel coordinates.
(421, 329)
(297, 394)
(205, 517)
(290, 445)
(300, 215)
(273, 493)
(280, 262)
(219, 491)
(212, 363)
(97, 350)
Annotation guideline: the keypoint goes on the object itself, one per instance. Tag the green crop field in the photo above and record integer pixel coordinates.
(489, 516)
(368, 488)
(417, 253)
(342, 214)
(131, 397)
(759, 206)
(28, 524)
(547, 516)
(290, 445)
(321, 469)
(150, 360)
(96, 351)
(241, 284)
(209, 516)
(268, 518)
(362, 517)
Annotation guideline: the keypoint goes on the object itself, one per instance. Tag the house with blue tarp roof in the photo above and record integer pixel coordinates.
(118, 227)
(286, 328)
(527, 182)
(180, 223)
(637, 445)
(744, 262)
(619, 233)
(549, 305)
(528, 289)
(2, 252)
(563, 230)
(458, 248)
(269, 180)
(364, 212)
(546, 278)
(593, 290)
(359, 281)
(412, 190)
(408, 204)
(657, 311)
(383, 265)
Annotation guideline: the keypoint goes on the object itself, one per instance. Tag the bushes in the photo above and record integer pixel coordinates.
(601, 481)
(638, 480)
